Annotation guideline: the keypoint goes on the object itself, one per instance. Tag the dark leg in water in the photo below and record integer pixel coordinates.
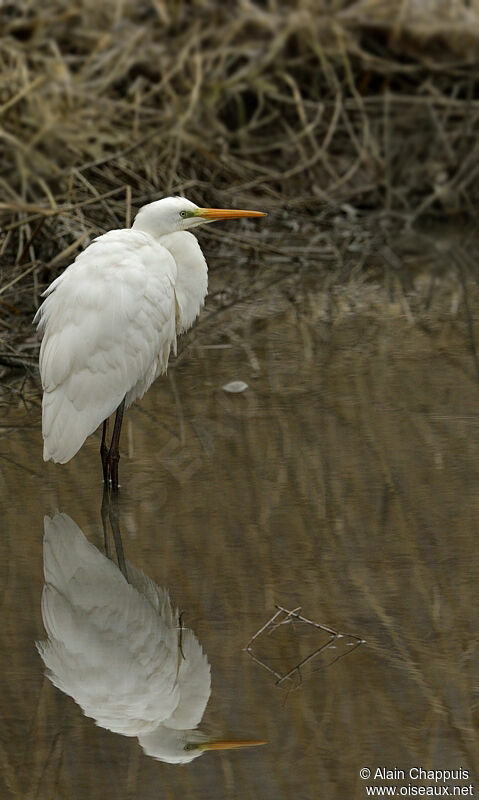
(114, 454)
(105, 510)
(104, 450)
(110, 511)
(114, 515)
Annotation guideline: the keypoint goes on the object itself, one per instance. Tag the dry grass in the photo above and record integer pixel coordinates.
(316, 111)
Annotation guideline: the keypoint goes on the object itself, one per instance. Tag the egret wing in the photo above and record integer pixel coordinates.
(107, 646)
(108, 325)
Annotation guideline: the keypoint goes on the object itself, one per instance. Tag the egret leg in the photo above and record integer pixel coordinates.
(110, 510)
(105, 509)
(114, 454)
(114, 515)
(104, 450)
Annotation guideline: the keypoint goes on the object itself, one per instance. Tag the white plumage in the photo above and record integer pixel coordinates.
(108, 325)
(110, 321)
(114, 647)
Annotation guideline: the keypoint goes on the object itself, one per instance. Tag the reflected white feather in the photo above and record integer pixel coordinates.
(111, 319)
(114, 646)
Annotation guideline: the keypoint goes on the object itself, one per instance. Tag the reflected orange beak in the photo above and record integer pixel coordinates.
(226, 213)
(231, 745)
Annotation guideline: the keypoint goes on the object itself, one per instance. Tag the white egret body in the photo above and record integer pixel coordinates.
(116, 647)
(110, 321)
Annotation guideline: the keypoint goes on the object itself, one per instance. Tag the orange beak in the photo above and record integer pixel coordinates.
(226, 213)
(230, 745)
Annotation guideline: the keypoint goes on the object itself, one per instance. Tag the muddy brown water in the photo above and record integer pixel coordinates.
(344, 481)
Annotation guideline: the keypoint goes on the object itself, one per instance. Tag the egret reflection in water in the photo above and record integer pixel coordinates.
(117, 647)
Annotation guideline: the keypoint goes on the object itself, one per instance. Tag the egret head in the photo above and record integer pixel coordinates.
(180, 747)
(178, 214)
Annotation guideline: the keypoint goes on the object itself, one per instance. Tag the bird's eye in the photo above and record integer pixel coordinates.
(183, 213)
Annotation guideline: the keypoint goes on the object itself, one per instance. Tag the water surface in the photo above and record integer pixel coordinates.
(343, 480)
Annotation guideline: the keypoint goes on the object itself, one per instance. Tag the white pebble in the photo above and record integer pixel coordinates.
(235, 386)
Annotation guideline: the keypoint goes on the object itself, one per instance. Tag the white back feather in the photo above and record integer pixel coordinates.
(108, 646)
(108, 325)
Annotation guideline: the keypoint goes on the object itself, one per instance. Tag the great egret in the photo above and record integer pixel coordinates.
(117, 647)
(110, 320)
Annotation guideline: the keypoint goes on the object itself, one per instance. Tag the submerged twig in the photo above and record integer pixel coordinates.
(283, 616)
